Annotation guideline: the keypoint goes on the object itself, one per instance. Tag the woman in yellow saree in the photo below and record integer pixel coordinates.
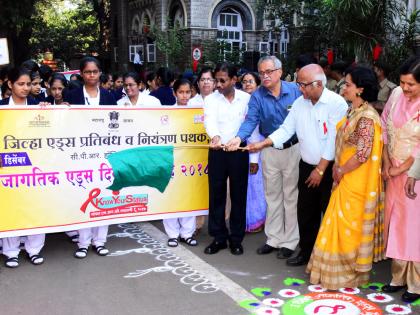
(350, 236)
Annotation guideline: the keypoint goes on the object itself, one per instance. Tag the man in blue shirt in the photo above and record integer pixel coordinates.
(268, 107)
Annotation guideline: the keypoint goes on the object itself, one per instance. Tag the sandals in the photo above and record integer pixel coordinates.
(12, 262)
(74, 238)
(81, 253)
(101, 250)
(190, 241)
(36, 260)
(173, 242)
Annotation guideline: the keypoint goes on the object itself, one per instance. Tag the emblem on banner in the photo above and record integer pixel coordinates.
(164, 120)
(199, 119)
(39, 121)
(113, 117)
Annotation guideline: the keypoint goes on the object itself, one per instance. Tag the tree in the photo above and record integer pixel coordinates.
(351, 28)
(16, 26)
(66, 31)
(170, 42)
(102, 8)
(219, 50)
(296, 17)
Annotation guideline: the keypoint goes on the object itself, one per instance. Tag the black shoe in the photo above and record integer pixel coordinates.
(284, 253)
(387, 288)
(299, 260)
(408, 297)
(214, 247)
(236, 249)
(265, 249)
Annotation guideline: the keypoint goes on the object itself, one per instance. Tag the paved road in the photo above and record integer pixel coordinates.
(143, 276)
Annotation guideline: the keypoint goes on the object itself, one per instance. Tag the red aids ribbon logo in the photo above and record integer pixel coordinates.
(335, 308)
(325, 128)
(92, 195)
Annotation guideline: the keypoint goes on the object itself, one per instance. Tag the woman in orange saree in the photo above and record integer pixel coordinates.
(350, 236)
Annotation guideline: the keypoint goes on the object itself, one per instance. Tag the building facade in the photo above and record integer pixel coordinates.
(236, 22)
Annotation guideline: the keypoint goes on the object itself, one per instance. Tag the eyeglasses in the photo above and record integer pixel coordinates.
(221, 81)
(90, 72)
(304, 85)
(248, 81)
(210, 80)
(130, 85)
(267, 72)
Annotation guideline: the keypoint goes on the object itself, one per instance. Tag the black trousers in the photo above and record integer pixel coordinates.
(312, 202)
(224, 165)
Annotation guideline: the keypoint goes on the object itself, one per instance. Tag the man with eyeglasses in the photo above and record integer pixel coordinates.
(224, 112)
(268, 107)
(313, 118)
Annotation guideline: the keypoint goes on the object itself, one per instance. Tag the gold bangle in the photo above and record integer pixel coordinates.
(321, 173)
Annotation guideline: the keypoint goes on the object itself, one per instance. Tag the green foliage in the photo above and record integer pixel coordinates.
(102, 9)
(170, 42)
(16, 25)
(405, 36)
(351, 28)
(16, 14)
(216, 51)
(66, 31)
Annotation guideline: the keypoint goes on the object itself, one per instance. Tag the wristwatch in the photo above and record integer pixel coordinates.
(321, 173)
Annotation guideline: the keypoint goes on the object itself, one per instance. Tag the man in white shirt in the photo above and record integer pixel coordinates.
(224, 112)
(313, 117)
(138, 62)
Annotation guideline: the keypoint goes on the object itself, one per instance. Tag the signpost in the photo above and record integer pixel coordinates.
(196, 55)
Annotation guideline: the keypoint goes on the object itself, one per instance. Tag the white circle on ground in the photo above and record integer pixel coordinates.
(398, 309)
(349, 290)
(331, 306)
(379, 297)
(273, 302)
(316, 288)
(288, 293)
(267, 310)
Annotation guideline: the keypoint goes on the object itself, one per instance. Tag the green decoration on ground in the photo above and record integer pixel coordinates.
(293, 281)
(375, 286)
(144, 166)
(296, 306)
(261, 292)
(249, 304)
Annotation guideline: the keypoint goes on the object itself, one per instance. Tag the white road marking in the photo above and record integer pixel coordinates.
(226, 285)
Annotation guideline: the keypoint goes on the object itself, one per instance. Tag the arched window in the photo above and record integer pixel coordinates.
(136, 25)
(230, 27)
(176, 14)
(146, 24)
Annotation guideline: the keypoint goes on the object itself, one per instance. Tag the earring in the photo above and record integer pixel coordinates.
(358, 94)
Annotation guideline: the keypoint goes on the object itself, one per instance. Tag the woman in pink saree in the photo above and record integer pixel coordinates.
(401, 131)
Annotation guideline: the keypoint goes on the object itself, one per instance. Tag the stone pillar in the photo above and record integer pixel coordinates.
(122, 39)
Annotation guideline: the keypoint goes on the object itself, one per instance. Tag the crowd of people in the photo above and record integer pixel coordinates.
(326, 165)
